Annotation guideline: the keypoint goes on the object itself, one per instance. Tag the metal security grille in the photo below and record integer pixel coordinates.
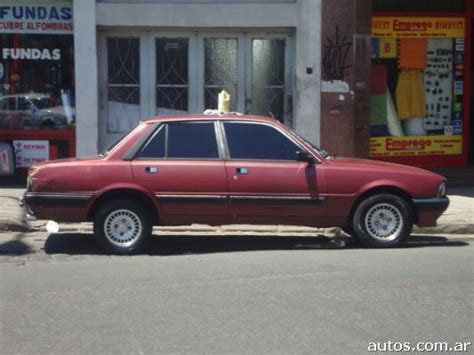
(123, 84)
(172, 83)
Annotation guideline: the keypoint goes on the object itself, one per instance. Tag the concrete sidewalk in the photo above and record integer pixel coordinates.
(458, 219)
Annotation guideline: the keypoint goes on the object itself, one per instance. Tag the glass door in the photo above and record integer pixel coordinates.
(144, 74)
(269, 79)
(123, 84)
(220, 70)
(172, 76)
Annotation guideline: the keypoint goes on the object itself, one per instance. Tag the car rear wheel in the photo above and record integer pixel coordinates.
(123, 227)
(382, 220)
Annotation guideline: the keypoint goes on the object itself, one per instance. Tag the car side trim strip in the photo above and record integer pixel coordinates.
(192, 198)
(217, 197)
(57, 199)
(244, 198)
(278, 199)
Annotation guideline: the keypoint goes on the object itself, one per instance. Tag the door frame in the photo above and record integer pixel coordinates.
(196, 68)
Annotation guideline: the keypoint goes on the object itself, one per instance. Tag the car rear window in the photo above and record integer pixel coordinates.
(183, 140)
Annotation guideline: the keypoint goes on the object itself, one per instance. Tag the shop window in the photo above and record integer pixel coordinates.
(36, 82)
(417, 86)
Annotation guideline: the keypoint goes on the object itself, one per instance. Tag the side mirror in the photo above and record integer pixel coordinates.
(304, 156)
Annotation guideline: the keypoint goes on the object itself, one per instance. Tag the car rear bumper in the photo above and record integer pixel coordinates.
(67, 207)
(430, 209)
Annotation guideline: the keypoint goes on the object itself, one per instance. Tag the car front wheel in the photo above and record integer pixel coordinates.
(123, 227)
(382, 220)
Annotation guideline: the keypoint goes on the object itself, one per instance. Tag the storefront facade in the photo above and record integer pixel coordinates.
(421, 93)
(75, 75)
(146, 58)
(37, 86)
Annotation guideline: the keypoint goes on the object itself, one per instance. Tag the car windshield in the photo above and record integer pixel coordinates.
(322, 152)
(105, 152)
(113, 145)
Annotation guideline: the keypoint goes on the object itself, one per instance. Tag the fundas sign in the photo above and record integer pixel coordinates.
(47, 18)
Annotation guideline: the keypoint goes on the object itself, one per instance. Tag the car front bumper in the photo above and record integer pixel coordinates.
(430, 209)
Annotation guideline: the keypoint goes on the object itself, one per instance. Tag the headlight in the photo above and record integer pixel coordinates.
(442, 189)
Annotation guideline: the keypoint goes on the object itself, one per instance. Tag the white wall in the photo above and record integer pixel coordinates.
(304, 17)
(85, 57)
(198, 15)
(308, 56)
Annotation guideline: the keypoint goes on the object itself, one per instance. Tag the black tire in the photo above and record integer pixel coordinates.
(383, 220)
(123, 227)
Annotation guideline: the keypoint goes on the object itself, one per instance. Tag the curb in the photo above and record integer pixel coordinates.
(467, 228)
(12, 216)
(281, 230)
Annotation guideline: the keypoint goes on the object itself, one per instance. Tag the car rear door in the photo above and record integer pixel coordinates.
(266, 182)
(181, 163)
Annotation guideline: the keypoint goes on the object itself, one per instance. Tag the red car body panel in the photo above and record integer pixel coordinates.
(222, 191)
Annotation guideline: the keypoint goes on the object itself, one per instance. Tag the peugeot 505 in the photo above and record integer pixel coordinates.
(230, 169)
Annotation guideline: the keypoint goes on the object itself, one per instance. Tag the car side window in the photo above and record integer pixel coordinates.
(183, 140)
(23, 104)
(258, 141)
(8, 104)
(155, 148)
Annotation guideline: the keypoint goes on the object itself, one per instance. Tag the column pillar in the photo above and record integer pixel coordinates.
(345, 89)
(85, 58)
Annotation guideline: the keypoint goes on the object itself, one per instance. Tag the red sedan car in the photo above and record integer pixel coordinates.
(227, 169)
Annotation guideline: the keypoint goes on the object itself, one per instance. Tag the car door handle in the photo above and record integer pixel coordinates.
(151, 169)
(242, 171)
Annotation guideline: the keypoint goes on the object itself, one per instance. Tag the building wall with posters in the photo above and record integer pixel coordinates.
(75, 75)
(37, 83)
(421, 93)
(172, 57)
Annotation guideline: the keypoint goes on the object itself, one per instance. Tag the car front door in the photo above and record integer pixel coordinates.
(181, 164)
(266, 181)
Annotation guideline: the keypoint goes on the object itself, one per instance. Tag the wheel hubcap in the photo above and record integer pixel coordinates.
(122, 227)
(383, 221)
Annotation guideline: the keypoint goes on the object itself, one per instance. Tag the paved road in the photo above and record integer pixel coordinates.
(233, 295)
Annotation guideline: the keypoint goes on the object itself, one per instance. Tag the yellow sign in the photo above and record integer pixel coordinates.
(415, 145)
(388, 48)
(418, 27)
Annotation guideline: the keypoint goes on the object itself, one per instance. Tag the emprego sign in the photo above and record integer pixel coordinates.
(415, 145)
(417, 27)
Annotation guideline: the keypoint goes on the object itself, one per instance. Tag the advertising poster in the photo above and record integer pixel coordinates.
(417, 86)
(29, 152)
(40, 17)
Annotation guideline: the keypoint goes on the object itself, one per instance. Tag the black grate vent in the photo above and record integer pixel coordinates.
(419, 5)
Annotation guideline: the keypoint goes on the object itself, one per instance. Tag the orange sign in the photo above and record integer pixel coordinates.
(418, 27)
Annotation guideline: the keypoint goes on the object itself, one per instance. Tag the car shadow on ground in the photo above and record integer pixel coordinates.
(81, 244)
(16, 245)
